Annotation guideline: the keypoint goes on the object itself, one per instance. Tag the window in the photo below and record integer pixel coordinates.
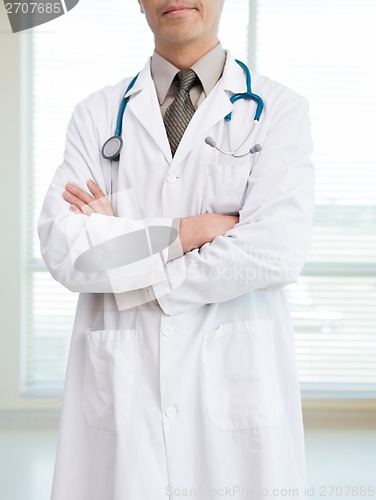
(305, 45)
(90, 47)
(324, 50)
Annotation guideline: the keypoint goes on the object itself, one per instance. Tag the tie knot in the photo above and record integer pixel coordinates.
(187, 79)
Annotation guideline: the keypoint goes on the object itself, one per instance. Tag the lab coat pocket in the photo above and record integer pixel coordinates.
(225, 185)
(241, 383)
(109, 378)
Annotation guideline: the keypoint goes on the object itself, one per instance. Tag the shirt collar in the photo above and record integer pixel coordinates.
(209, 69)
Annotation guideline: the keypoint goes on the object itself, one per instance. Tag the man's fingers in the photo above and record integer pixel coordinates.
(101, 204)
(82, 202)
(74, 200)
(79, 193)
(85, 209)
(75, 209)
(95, 189)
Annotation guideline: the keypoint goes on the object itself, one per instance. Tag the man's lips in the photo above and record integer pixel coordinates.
(178, 9)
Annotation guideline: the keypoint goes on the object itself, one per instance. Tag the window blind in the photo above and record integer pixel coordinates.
(306, 45)
(324, 49)
(96, 44)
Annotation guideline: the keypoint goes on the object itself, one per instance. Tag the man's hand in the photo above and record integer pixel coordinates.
(82, 202)
(196, 230)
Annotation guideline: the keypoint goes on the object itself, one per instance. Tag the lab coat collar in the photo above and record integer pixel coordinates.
(233, 78)
(145, 106)
(143, 103)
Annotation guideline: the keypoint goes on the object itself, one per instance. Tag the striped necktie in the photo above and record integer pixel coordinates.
(181, 110)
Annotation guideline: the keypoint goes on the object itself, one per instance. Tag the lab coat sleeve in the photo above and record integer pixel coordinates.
(267, 248)
(67, 238)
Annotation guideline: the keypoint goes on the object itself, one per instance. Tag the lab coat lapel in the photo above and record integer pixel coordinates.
(213, 109)
(144, 105)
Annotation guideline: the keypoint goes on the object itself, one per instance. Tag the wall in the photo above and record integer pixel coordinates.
(10, 216)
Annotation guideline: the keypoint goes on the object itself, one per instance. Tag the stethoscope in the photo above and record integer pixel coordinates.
(112, 147)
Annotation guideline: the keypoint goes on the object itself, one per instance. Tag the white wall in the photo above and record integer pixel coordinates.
(10, 216)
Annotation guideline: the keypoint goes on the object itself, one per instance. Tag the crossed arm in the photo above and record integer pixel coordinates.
(264, 249)
(194, 231)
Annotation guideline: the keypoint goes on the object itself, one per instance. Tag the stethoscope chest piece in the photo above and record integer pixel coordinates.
(112, 147)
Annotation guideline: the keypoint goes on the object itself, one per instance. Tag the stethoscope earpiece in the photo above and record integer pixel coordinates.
(210, 141)
(254, 149)
(112, 147)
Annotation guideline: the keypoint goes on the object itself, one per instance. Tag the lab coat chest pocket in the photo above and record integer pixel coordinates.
(241, 382)
(109, 378)
(225, 184)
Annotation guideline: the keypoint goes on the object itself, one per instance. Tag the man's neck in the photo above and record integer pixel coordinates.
(184, 56)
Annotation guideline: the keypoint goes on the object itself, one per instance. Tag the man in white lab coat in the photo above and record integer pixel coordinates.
(181, 378)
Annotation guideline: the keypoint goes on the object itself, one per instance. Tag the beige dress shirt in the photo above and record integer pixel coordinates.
(209, 69)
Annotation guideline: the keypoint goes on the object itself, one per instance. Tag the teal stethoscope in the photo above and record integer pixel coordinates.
(112, 147)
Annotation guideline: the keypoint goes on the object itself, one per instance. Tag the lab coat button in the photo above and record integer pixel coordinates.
(171, 178)
(168, 330)
(171, 411)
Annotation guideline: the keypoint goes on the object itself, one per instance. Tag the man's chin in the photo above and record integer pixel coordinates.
(182, 36)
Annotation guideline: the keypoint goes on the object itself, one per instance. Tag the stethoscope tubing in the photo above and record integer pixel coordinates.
(112, 147)
(123, 106)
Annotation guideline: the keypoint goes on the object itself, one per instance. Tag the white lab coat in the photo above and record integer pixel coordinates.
(196, 394)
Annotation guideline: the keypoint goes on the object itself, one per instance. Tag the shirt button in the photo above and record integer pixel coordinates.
(171, 411)
(168, 330)
(171, 178)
